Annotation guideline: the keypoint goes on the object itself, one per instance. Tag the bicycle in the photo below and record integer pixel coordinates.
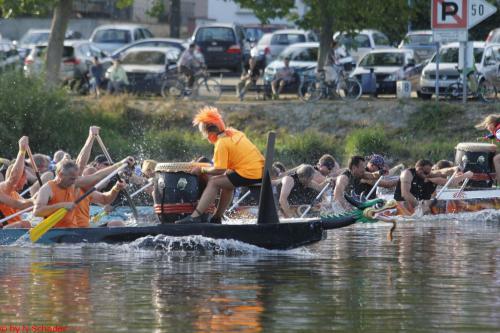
(204, 87)
(477, 87)
(345, 87)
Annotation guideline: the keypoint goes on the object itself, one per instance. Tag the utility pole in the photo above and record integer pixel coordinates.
(175, 18)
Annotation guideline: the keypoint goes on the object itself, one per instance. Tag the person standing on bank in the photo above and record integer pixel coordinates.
(237, 162)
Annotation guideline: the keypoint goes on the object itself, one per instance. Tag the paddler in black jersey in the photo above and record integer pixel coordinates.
(297, 188)
(418, 184)
(350, 181)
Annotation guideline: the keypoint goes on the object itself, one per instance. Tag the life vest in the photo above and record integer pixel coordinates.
(82, 211)
(421, 189)
(63, 195)
(8, 210)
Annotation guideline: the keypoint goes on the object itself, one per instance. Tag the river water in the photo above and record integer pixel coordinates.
(435, 276)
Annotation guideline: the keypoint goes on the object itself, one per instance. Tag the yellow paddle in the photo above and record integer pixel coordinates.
(40, 229)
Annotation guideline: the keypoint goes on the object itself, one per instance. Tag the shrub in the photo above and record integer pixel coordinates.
(367, 141)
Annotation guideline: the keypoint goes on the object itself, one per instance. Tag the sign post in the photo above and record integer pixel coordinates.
(450, 22)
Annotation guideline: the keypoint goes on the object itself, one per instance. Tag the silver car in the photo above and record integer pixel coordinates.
(281, 39)
(491, 64)
(111, 37)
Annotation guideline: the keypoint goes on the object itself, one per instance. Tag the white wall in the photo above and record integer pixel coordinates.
(230, 12)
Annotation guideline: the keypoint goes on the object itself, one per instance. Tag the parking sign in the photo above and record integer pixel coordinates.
(449, 14)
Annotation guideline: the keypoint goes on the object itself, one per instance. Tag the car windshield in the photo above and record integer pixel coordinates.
(253, 33)
(300, 54)
(35, 38)
(144, 58)
(287, 39)
(418, 39)
(112, 36)
(449, 55)
(215, 34)
(392, 59)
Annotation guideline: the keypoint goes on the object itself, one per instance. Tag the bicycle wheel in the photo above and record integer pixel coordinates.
(310, 90)
(487, 91)
(208, 89)
(349, 89)
(454, 91)
(173, 89)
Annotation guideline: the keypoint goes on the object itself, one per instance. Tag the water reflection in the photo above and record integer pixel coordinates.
(432, 277)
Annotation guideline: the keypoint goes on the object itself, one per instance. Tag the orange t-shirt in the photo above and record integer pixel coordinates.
(8, 210)
(63, 195)
(82, 211)
(239, 154)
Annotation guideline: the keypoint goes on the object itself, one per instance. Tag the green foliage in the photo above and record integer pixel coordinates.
(13, 8)
(367, 141)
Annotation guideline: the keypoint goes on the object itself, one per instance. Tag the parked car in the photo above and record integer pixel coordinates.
(281, 39)
(254, 32)
(111, 37)
(224, 46)
(493, 36)
(37, 37)
(389, 66)
(448, 74)
(9, 57)
(421, 42)
(76, 60)
(490, 64)
(146, 67)
(180, 44)
(361, 42)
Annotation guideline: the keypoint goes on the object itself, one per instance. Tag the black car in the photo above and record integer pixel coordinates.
(224, 46)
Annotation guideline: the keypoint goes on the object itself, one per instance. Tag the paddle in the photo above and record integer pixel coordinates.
(3, 222)
(125, 192)
(33, 165)
(374, 188)
(315, 199)
(247, 193)
(40, 229)
(98, 216)
(446, 185)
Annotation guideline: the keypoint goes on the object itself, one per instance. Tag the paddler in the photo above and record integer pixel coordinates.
(418, 184)
(492, 124)
(15, 179)
(66, 188)
(82, 210)
(376, 163)
(298, 188)
(237, 162)
(350, 181)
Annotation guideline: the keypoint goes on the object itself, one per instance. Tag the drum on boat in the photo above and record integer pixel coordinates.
(478, 158)
(176, 191)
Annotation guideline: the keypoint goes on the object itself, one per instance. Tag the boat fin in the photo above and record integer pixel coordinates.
(267, 207)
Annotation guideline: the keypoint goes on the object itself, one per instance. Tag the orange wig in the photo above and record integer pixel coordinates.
(209, 115)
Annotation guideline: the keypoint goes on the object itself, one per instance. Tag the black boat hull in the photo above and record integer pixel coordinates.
(280, 236)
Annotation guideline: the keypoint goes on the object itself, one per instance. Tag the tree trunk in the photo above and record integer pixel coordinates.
(175, 18)
(60, 20)
(326, 34)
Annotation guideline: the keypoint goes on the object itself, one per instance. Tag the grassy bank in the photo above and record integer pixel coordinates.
(155, 128)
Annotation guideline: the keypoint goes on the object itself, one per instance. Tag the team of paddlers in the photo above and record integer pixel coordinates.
(49, 184)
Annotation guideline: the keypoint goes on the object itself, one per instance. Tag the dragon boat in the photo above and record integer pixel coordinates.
(176, 194)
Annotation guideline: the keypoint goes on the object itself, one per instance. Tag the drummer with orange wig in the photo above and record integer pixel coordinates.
(237, 162)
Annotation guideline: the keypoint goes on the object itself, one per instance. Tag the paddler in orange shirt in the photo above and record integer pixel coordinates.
(15, 179)
(237, 162)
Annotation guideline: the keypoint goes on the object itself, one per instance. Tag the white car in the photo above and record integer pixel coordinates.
(448, 73)
(111, 37)
(389, 66)
(362, 42)
(145, 67)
